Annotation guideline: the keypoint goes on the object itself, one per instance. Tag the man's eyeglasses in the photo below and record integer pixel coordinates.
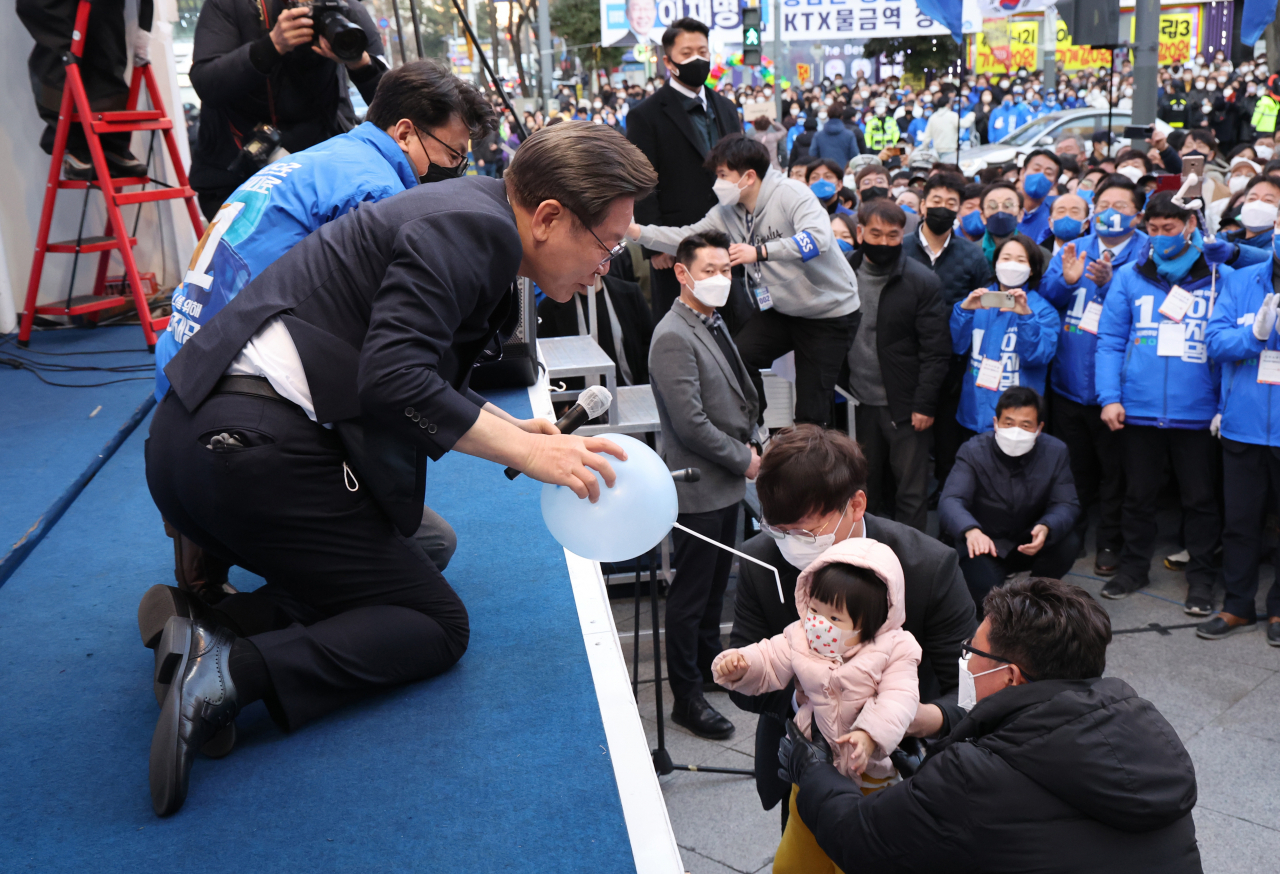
(613, 253)
(967, 649)
(460, 168)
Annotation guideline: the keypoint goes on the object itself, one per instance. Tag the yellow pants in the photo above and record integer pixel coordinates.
(798, 852)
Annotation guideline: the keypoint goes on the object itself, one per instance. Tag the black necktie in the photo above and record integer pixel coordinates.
(703, 123)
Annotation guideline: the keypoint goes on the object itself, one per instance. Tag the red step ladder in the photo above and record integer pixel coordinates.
(75, 110)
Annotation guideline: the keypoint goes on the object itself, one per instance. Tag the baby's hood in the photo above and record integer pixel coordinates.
(865, 553)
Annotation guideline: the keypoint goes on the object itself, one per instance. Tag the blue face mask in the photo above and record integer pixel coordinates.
(906, 208)
(1002, 224)
(1067, 228)
(845, 246)
(1086, 193)
(1112, 223)
(972, 224)
(825, 189)
(1035, 103)
(1037, 185)
(1166, 247)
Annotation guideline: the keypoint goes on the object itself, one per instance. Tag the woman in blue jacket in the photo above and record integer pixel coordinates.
(1009, 345)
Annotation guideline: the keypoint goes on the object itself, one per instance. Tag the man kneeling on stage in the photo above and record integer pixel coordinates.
(370, 326)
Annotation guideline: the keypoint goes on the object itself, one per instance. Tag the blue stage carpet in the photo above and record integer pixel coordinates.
(498, 765)
(49, 435)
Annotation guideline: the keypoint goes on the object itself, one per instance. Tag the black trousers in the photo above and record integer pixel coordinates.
(350, 606)
(820, 346)
(948, 434)
(696, 598)
(897, 450)
(1250, 473)
(982, 573)
(1147, 451)
(50, 23)
(1096, 466)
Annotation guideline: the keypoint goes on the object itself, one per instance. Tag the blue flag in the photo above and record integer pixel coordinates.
(950, 14)
(1257, 15)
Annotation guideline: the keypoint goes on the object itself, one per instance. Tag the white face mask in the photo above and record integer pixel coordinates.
(1264, 152)
(727, 191)
(1237, 183)
(1015, 441)
(1257, 215)
(801, 555)
(1012, 274)
(712, 291)
(851, 182)
(825, 639)
(967, 694)
(1130, 171)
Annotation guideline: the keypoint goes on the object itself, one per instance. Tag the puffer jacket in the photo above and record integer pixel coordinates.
(836, 142)
(873, 686)
(1250, 409)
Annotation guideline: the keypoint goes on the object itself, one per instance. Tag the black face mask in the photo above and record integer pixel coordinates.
(881, 256)
(438, 173)
(693, 72)
(872, 193)
(939, 219)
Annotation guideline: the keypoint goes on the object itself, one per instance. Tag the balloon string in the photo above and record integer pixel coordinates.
(777, 579)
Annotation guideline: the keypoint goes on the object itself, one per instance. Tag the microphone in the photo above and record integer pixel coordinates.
(591, 403)
(686, 475)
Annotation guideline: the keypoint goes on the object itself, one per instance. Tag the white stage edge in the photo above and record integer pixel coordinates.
(653, 843)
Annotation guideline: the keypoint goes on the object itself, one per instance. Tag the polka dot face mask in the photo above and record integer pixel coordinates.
(825, 639)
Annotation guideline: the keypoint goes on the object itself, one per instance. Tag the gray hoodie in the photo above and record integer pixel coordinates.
(806, 273)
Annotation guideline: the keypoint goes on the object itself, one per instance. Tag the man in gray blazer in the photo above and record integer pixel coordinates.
(708, 408)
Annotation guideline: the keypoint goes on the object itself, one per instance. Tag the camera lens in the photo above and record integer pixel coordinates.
(347, 40)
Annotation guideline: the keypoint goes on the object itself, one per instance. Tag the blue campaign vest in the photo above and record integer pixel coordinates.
(269, 213)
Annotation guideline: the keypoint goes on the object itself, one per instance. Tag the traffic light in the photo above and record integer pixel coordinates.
(751, 36)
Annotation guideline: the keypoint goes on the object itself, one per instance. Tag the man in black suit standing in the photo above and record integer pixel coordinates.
(676, 128)
(295, 437)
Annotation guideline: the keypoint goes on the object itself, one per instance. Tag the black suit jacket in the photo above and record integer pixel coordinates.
(940, 613)
(389, 306)
(661, 127)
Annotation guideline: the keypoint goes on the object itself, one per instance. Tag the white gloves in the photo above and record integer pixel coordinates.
(141, 46)
(1215, 427)
(1265, 321)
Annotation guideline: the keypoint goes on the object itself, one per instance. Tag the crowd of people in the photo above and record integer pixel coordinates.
(1026, 348)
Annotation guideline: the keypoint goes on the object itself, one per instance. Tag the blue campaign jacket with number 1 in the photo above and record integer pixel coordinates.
(1073, 366)
(275, 208)
(1165, 392)
(1024, 345)
(1250, 409)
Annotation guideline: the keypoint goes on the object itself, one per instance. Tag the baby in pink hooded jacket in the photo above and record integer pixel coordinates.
(848, 654)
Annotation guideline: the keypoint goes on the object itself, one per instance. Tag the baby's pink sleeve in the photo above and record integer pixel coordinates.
(768, 666)
(888, 714)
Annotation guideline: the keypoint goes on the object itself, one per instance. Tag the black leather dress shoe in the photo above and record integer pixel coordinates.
(1106, 562)
(193, 658)
(701, 718)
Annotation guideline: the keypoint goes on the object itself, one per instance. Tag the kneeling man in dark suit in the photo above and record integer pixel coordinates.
(707, 407)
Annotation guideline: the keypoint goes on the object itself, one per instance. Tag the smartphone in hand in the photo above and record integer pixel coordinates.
(997, 300)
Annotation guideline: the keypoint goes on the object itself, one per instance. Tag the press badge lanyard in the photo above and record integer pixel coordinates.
(763, 299)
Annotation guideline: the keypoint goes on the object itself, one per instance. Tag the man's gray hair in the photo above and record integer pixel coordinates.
(1079, 141)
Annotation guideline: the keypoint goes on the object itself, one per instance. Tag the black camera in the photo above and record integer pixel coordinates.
(348, 40)
(257, 151)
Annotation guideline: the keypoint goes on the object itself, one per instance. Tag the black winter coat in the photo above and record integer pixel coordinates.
(961, 267)
(940, 613)
(913, 339)
(1056, 777)
(662, 128)
(561, 320)
(243, 81)
(1006, 497)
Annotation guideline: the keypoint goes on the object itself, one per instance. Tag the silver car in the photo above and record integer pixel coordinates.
(1041, 133)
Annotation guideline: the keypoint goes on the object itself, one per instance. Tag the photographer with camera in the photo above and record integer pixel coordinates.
(274, 73)
(417, 131)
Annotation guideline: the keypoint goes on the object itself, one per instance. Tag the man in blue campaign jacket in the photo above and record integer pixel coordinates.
(1022, 339)
(1250, 431)
(1036, 180)
(1077, 292)
(1155, 381)
(409, 134)
(417, 129)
